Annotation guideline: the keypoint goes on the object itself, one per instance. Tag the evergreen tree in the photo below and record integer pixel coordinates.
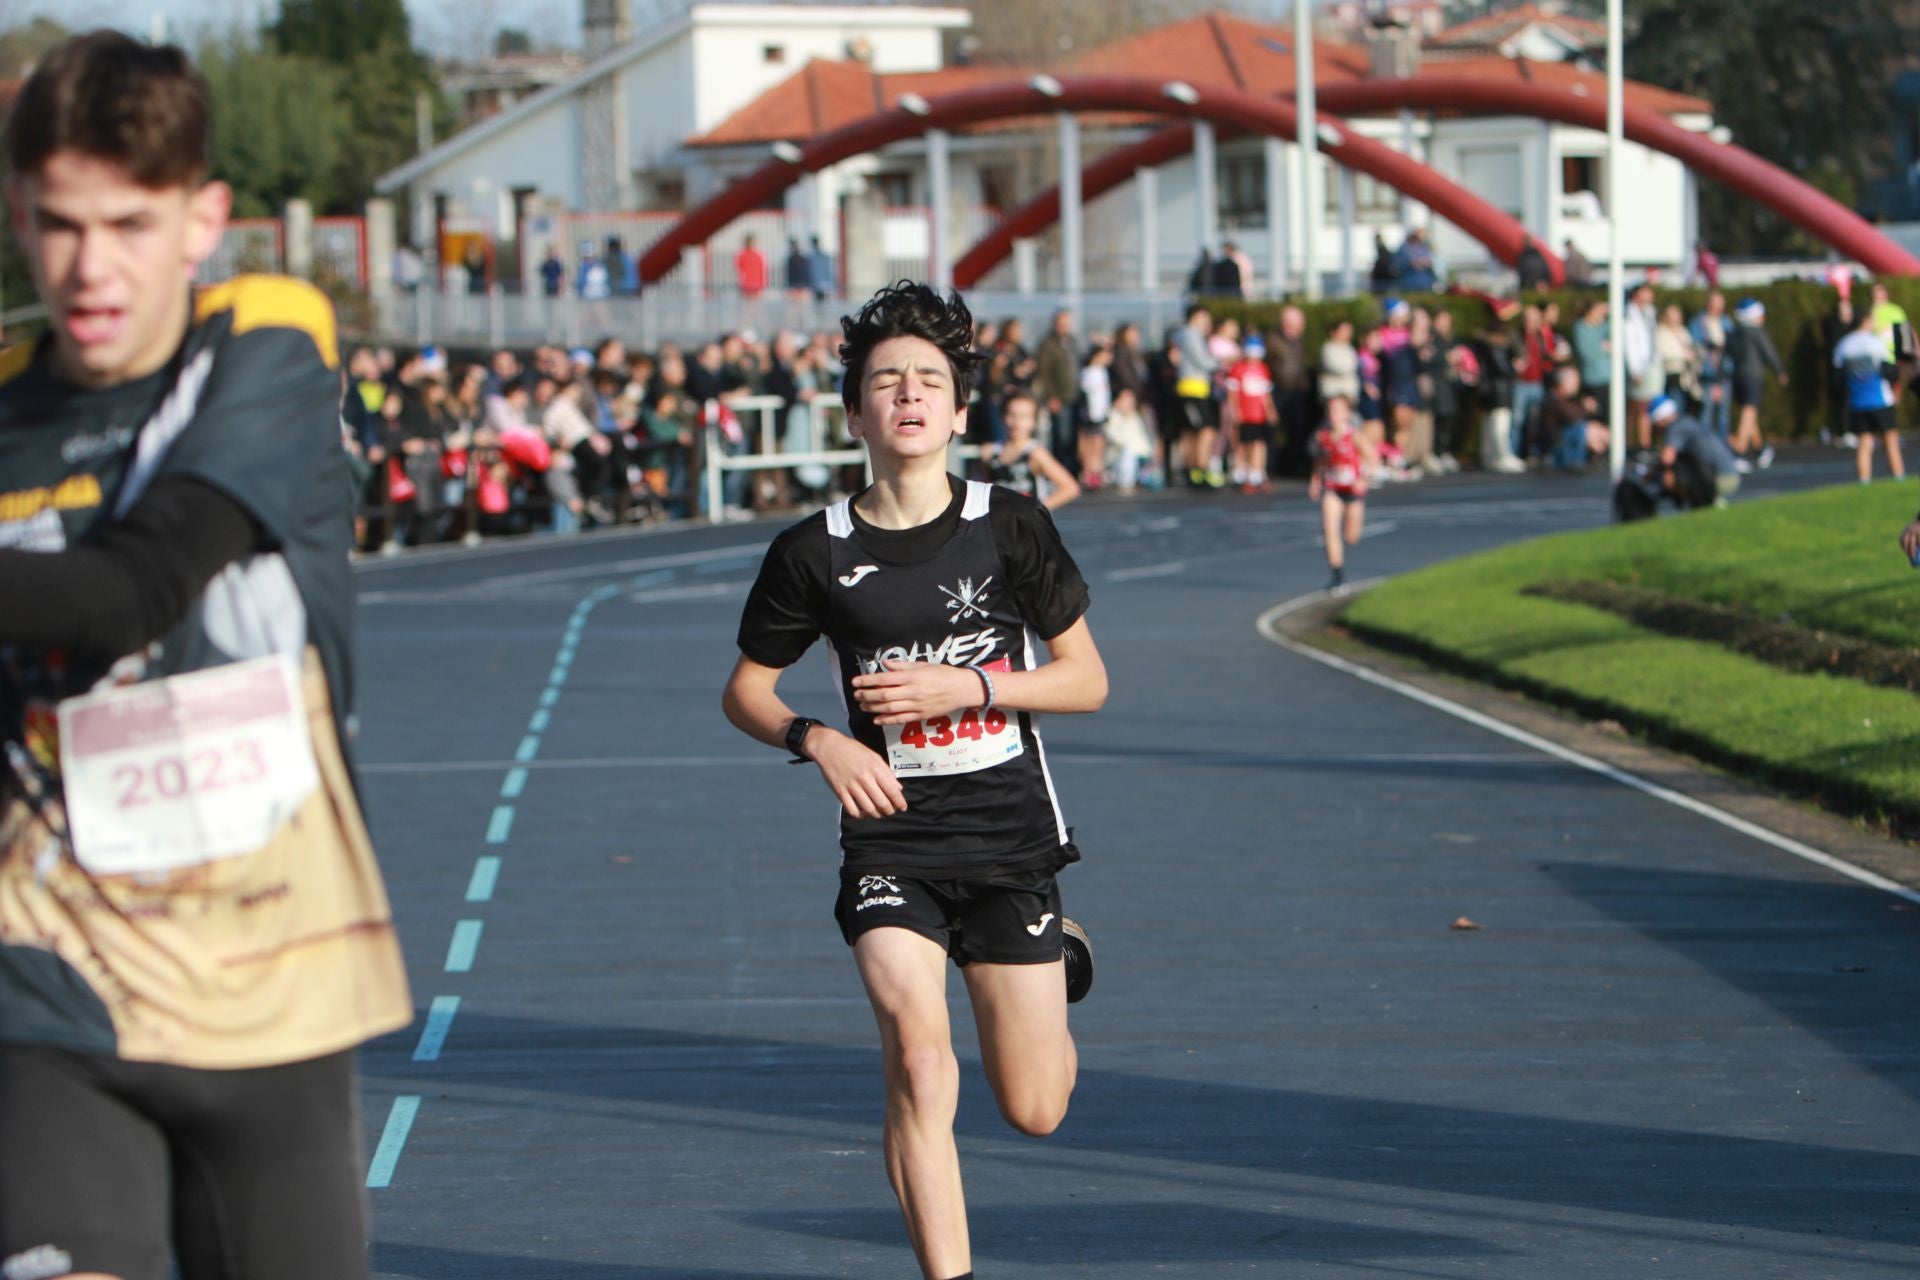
(377, 76)
(1800, 84)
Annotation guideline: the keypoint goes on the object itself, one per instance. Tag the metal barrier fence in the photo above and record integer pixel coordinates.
(340, 249)
(828, 445)
(248, 245)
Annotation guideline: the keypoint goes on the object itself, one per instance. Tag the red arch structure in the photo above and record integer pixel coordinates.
(1500, 232)
(1732, 166)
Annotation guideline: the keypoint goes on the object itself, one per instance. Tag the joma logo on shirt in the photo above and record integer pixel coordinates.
(963, 649)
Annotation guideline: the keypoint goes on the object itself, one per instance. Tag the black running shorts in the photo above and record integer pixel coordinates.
(1198, 414)
(1012, 919)
(1873, 422)
(254, 1173)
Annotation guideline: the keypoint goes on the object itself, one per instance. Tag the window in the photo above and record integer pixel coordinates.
(1493, 174)
(773, 54)
(1243, 191)
(896, 189)
(1581, 173)
(1582, 188)
(1373, 201)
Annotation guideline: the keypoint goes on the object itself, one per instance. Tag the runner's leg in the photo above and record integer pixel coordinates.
(1028, 1053)
(93, 1193)
(1895, 462)
(267, 1170)
(906, 979)
(1330, 506)
(1863, 456)
(1356, 519)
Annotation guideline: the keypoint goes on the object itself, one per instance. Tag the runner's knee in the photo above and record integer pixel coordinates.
(1034, 1112)
(923, 1073)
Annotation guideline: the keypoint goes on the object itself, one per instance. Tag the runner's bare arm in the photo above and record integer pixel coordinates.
(1074, 681)
(1050, 469)
(859, 778)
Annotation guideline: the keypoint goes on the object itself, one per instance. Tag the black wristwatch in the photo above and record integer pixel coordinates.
(797, 736)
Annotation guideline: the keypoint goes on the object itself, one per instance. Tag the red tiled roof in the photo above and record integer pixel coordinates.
(1490, 29)
(1215, 48)
(1564, 75)
(825, 95)
(1220, 48)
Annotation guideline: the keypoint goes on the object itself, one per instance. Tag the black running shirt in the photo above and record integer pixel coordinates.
(979, 586)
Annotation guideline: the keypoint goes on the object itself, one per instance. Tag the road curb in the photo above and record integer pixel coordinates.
(1303, 624)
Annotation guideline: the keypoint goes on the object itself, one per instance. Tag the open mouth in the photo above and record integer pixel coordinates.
(91, 325)
(910, 425)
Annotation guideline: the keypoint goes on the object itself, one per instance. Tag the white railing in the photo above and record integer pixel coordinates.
(827, 445)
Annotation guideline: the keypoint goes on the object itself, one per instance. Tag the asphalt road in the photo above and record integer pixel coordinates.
(1668, 1050)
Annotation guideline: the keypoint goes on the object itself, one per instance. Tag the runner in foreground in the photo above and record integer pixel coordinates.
(929, 592)
(193, 933)
(1342, 460)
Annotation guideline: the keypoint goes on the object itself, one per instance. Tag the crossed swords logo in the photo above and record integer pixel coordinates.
(968, 599)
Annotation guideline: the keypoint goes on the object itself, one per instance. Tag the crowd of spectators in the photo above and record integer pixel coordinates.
(556, 440)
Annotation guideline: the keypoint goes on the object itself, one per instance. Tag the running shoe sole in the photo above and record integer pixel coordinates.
(1077, 950)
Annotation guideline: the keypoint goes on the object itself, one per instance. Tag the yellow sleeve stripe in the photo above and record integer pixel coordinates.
(273, 302)
(16, 360)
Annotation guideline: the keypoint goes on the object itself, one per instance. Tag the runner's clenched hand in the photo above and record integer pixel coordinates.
(909, 691)
(857, 775)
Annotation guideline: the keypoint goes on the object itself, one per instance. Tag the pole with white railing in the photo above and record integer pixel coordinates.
(1616, 256)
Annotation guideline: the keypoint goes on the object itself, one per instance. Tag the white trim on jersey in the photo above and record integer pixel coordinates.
(979, 498)
(846, 717)
(840, 519)
(1040, 749)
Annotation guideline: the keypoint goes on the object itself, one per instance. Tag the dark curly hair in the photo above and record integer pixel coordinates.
(909, 310)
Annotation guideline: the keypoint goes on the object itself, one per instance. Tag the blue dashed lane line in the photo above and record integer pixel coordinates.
(466, 942)
(393, 1140)
(439, 1022)
(486, 875)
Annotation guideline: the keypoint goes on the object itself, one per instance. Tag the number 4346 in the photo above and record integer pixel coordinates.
(941, 731)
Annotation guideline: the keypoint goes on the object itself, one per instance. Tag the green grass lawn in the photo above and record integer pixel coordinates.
(1824, 560)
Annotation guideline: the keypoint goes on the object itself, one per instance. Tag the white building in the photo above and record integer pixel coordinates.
(707, 97)
(610, 137)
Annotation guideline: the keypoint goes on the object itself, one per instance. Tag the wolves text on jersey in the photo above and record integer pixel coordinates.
(961, 649)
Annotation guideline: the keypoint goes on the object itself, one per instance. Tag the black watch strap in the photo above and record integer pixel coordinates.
(797, 736)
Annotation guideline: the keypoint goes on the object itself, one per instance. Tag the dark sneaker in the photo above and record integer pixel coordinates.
(1337, 581)
(1077, 950)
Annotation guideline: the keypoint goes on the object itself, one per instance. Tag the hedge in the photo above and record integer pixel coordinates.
(1795, 312)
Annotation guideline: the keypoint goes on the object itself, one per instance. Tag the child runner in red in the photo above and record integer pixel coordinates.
(1250, 399)
(931, 593)
(1342, 461)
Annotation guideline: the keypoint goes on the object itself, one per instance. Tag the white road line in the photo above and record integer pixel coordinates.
(1166, 570)
(1268, 627)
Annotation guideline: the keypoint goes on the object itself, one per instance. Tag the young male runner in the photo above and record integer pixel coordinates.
(930, 592)
(193, 933)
